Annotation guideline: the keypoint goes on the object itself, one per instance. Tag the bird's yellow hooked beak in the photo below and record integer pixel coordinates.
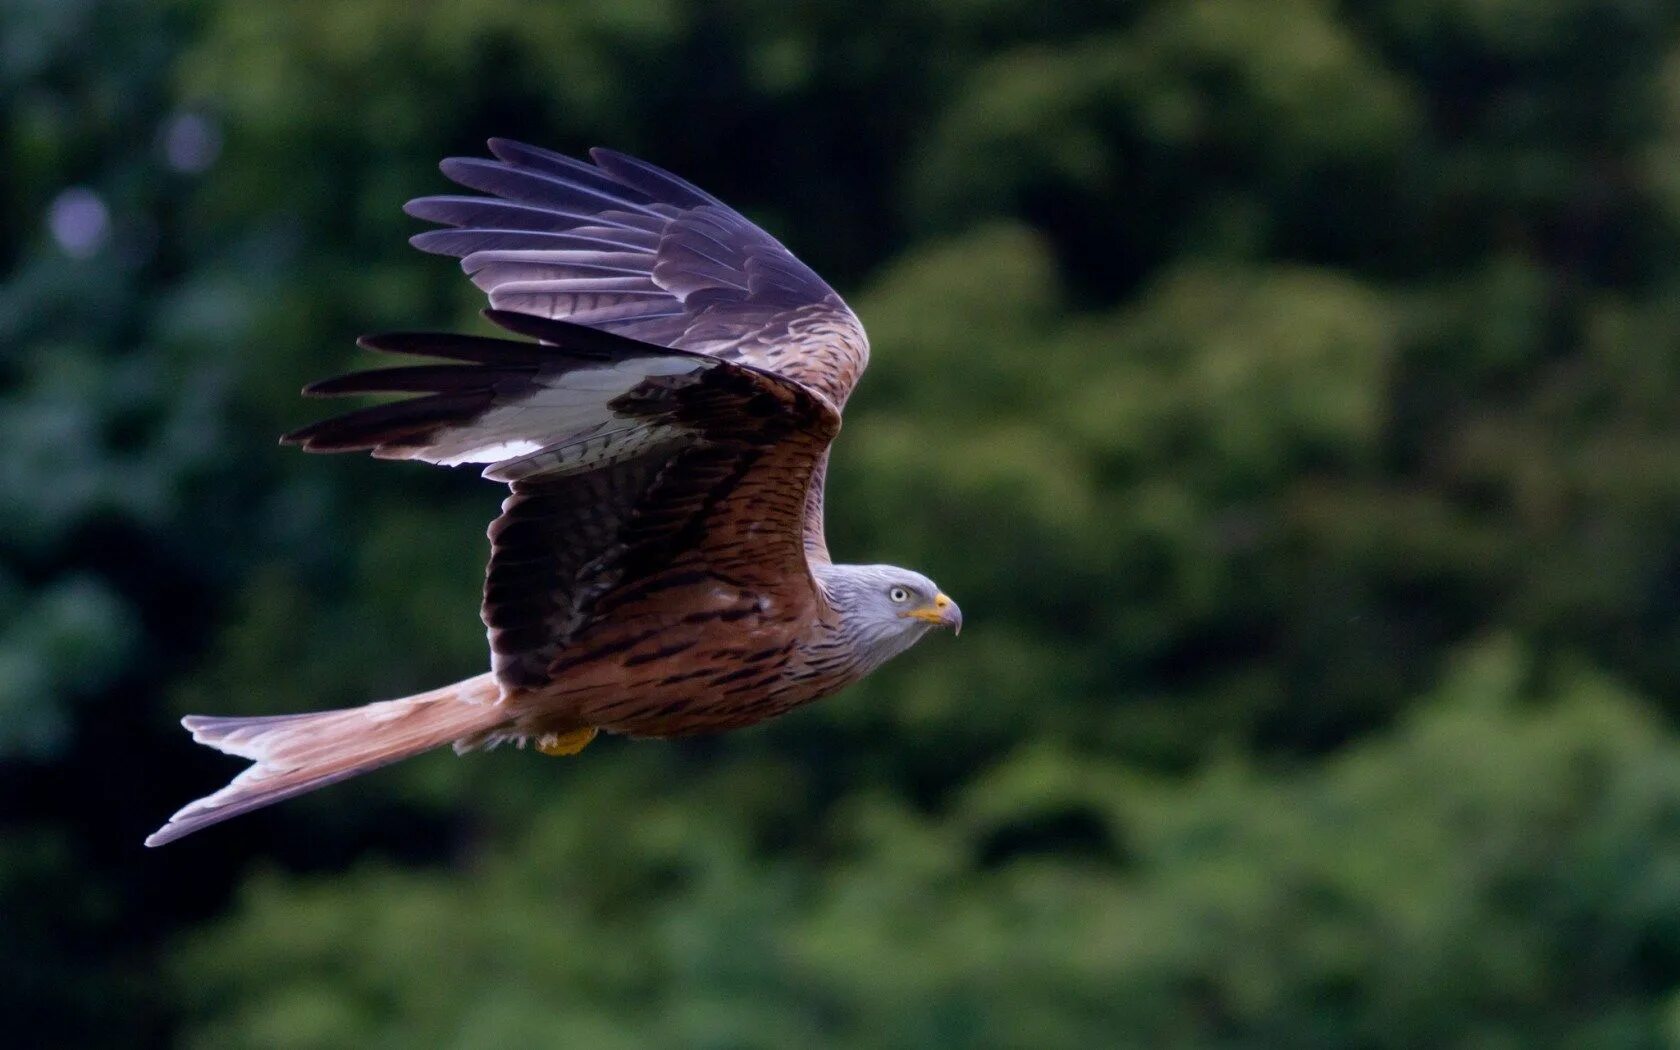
(941, 612)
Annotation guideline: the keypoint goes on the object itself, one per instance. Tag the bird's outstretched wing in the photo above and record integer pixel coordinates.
(638, 473)
(624, 246)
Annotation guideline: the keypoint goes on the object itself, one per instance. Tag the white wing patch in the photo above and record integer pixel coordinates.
(563, 423)
(491, 453)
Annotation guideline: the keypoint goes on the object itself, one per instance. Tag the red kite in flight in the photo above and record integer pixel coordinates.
(659, 568)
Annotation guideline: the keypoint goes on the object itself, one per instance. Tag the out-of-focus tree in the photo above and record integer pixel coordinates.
(1241, 367)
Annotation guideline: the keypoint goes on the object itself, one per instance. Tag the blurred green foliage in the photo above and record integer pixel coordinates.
(1286, 388)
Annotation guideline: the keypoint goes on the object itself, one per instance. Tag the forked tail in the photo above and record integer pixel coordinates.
(294, 754)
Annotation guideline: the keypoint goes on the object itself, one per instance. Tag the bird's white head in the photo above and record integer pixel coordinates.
(884, 609)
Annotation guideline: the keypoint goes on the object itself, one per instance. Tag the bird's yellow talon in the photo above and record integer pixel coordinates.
(558, 744)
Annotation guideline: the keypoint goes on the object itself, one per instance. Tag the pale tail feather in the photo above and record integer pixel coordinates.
(294, 754)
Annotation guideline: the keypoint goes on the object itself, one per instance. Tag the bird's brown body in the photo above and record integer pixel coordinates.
(737, 661)
(721, 638)
(659, 568)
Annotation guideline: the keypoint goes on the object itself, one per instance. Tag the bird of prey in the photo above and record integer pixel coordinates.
(659, 567)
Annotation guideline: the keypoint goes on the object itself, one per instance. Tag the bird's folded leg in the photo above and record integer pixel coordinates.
(565, 743)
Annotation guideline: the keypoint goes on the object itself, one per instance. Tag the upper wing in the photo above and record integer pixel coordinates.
(623, 246)
(635, 469)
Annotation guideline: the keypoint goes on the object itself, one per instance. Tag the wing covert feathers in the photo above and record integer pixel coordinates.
(578, 399)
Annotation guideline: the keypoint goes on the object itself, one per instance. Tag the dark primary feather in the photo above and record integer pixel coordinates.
(622, 245)
(413, 379)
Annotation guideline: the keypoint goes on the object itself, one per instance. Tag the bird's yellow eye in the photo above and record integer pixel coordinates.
(899, 595)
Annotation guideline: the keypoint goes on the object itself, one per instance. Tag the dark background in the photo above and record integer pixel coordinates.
(1286, 389)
